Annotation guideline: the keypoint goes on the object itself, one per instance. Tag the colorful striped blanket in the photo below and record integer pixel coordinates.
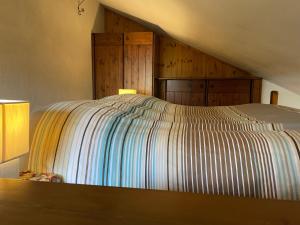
(143, 142)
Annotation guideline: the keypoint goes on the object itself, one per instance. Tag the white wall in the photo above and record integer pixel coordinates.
(285, 97)
(45, 54)
(45, 50)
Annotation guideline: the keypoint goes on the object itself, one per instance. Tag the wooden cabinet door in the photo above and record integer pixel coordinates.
(228, 92)
(138, 62)
(107, 64)
(186, 92)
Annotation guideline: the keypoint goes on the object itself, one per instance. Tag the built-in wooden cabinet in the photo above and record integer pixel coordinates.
(210, 92)
(133, 55)
(123, 61)
(130, 60)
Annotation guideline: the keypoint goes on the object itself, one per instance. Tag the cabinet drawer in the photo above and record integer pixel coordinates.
(229, 86)
(228, 92)
(194, 86)
(186, 98)
(186, 92)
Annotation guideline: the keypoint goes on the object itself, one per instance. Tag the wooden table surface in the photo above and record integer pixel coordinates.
(25, 202)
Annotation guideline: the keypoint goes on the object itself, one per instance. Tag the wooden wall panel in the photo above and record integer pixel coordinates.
(115, 23)
(179, 60)
(175, 58)
(107, 64)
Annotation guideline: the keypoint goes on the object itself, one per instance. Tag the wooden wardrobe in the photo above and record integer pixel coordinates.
(123, 61)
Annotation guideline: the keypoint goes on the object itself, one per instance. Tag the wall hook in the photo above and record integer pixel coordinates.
(80, 9)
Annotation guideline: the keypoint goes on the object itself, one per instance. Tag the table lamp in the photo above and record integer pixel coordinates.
(14, 129)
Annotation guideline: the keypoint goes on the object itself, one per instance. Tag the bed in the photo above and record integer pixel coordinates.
(140, 141)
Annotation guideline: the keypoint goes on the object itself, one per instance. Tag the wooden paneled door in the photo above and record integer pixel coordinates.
(139, 62)
(107, 64)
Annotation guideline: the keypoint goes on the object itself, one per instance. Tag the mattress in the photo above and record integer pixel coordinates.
(143, 142)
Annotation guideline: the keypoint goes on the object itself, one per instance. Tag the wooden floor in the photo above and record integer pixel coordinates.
(32, 203)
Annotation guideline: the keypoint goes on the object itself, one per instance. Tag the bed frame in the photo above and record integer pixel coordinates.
(30, 203)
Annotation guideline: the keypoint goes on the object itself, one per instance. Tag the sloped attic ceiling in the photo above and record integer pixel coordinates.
(260, 36)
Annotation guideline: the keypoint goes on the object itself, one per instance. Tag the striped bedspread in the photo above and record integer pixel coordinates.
(143, 142)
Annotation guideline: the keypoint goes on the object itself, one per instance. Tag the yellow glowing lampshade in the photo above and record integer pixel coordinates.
(14, 129)
(127, 91)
